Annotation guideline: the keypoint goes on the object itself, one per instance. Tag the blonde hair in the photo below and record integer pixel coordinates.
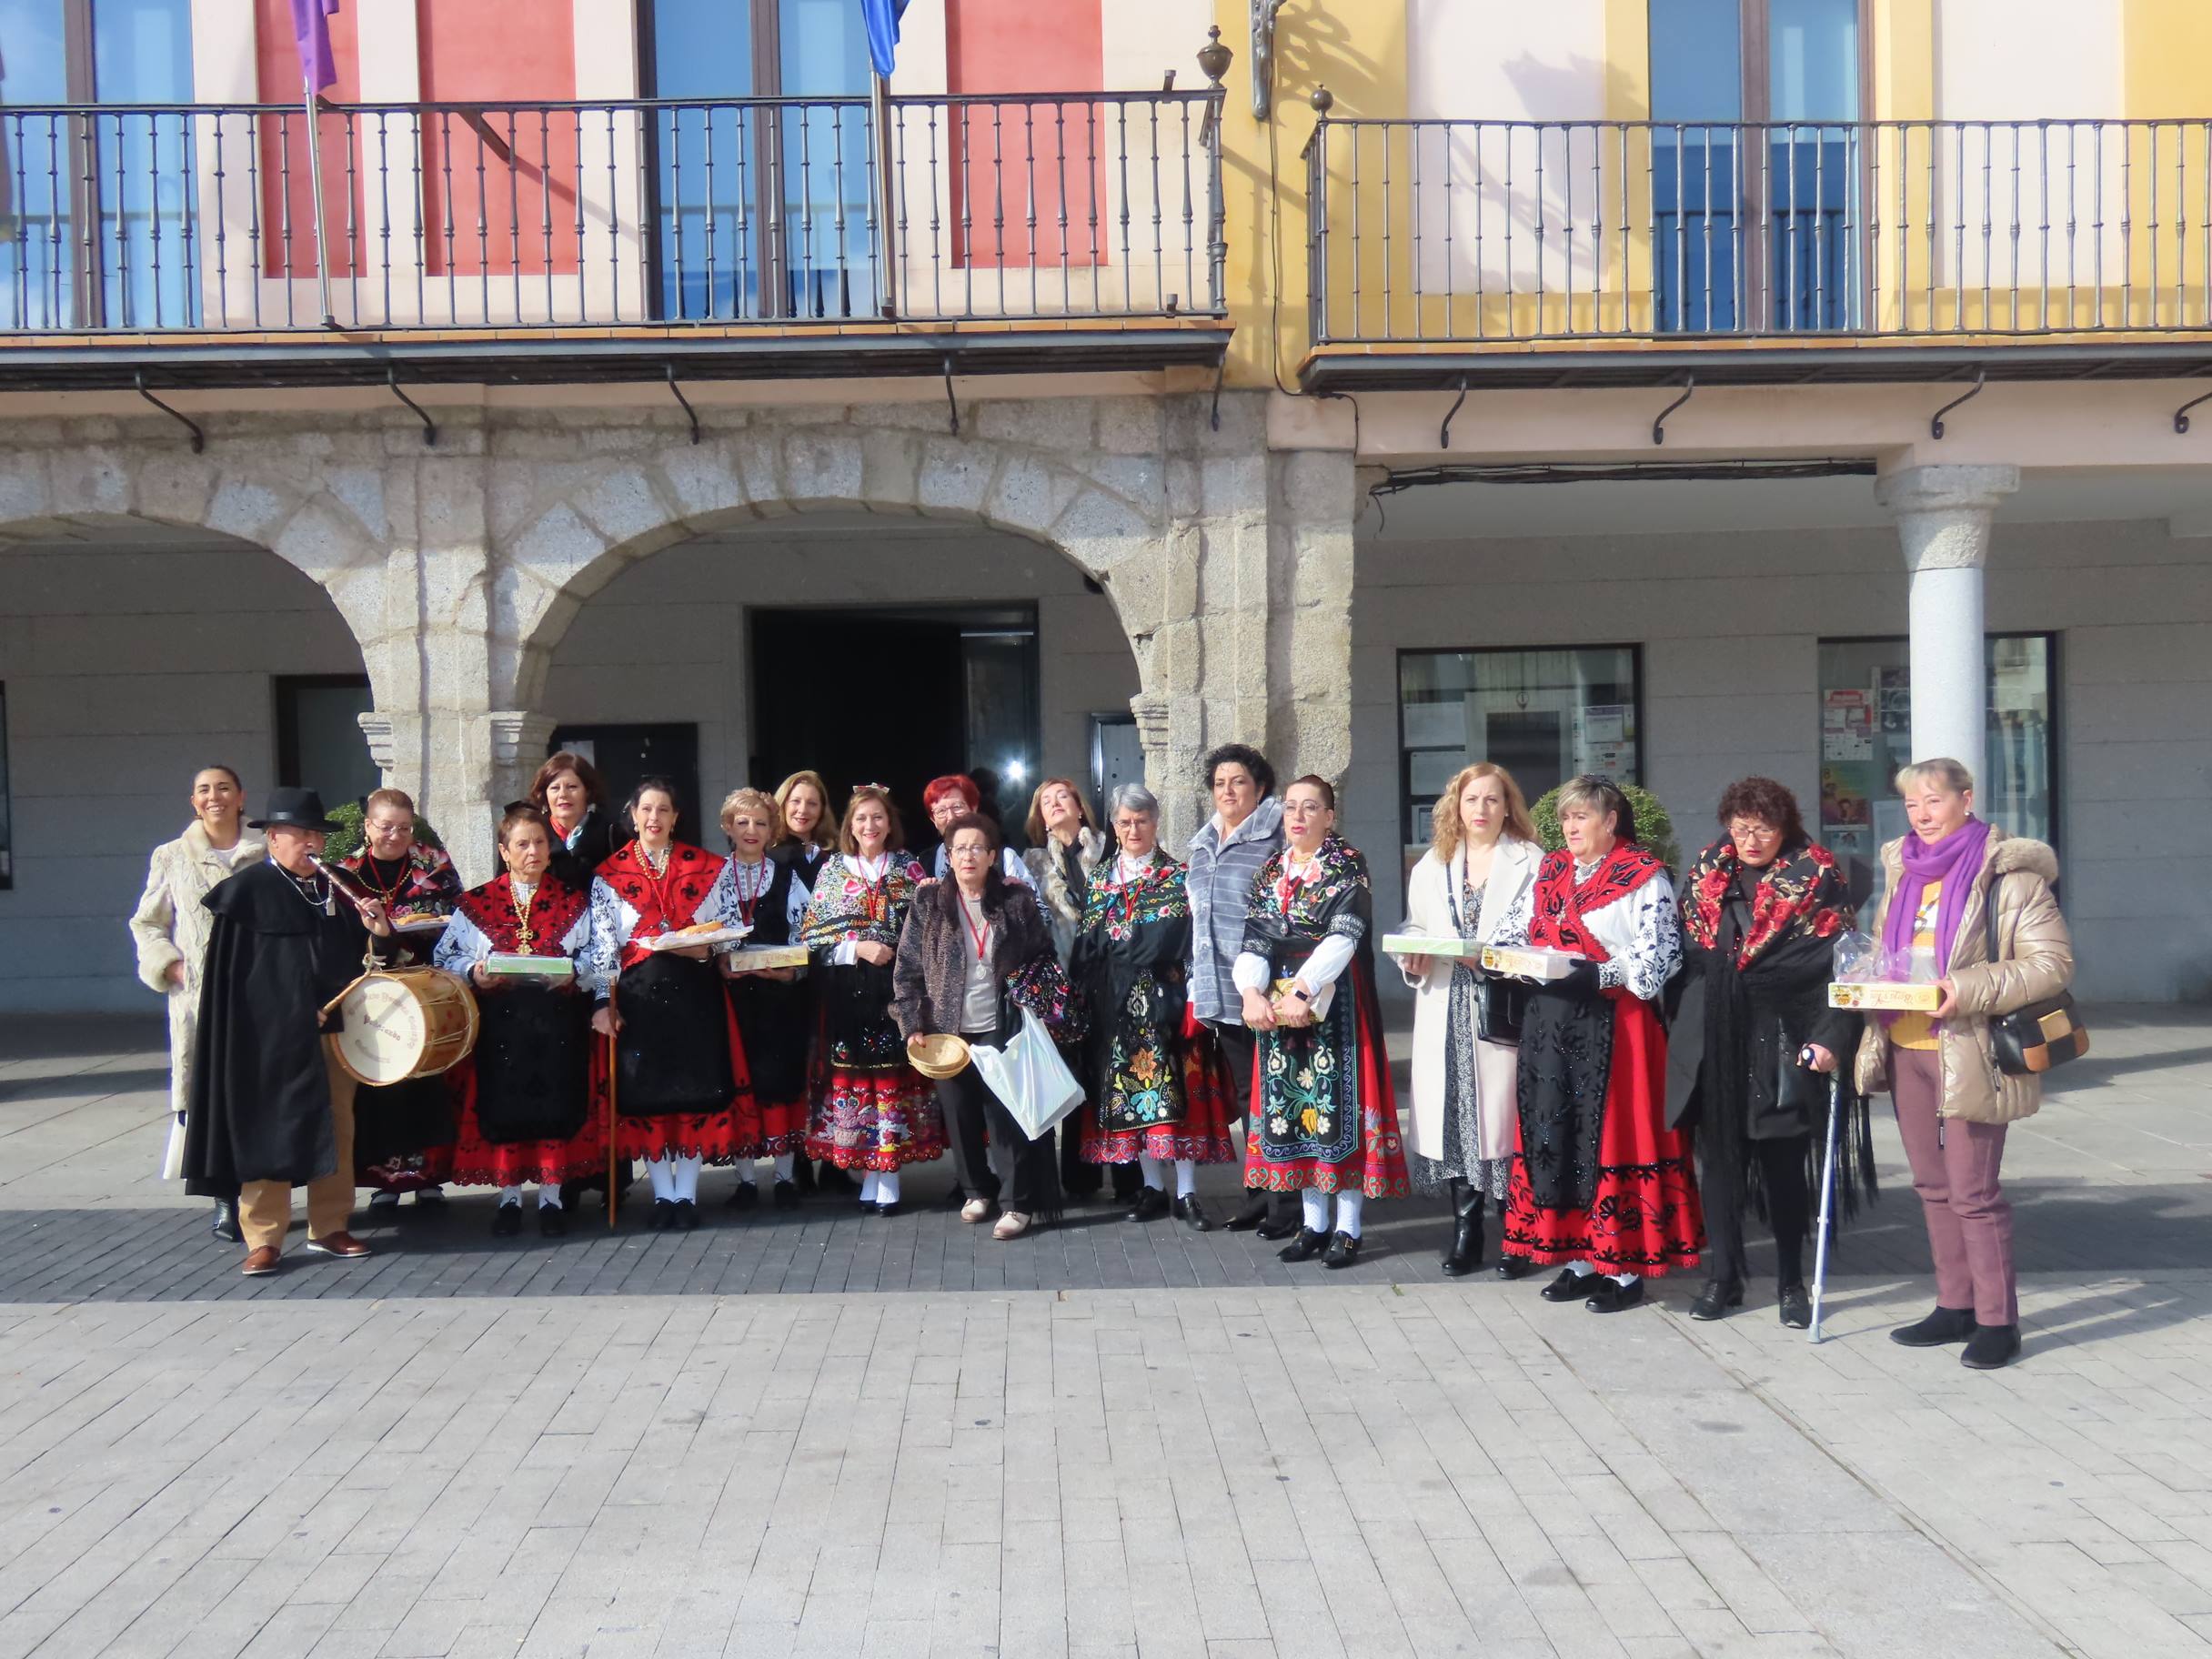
(1445, 830)
(1035, 823)
(759, 800)
(388, 797)
(825, 827)
(1941, 769)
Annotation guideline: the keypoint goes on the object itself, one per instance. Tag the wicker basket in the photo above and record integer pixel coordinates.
(937, 1056)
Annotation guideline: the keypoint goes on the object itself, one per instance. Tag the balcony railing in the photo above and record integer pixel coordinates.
(203, 218)
(1472, 232)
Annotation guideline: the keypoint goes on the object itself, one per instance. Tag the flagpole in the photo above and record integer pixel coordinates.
(886, 237)
(315, 172)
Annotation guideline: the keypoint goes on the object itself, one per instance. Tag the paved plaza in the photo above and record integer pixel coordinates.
(801, 1433)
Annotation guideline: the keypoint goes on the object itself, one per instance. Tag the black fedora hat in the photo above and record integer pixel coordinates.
(293, 809)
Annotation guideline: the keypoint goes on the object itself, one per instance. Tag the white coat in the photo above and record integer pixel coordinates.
(171, 925)
(1428, 902)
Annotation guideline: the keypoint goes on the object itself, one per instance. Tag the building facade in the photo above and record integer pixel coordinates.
(1674, 387)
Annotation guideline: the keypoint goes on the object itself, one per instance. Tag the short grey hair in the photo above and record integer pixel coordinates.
(1599, 794)
(1133, 797)
(1942, 770)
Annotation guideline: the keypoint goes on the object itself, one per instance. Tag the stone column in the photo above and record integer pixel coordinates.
(1943, 516)
(520, 740)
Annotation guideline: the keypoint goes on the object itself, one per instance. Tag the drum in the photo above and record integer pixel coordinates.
(406, 1022)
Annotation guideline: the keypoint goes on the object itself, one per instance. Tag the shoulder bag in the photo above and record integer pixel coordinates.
(2046, 1034)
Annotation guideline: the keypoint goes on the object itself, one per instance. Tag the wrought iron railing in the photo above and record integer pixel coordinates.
(1470, 231)
(256, 218)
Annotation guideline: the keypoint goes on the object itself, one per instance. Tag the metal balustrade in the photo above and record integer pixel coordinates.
(1470, 231)
(204, 218)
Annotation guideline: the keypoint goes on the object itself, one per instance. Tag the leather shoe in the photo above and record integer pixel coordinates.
(1151, 1204)
(1191, 1214)
(341, 1244)
(1570, 1286)
(1797, 1306)
(1342, 1252)
(786, 1196)
(1991, 1347)
(507, 1221)
(685, 1219)
(661, 1216)
(745, 1196)
(1611, 1296)
(1714, 1301)
(1304, 1247)
(1254, 1216)
(552, 1222)
(1287, 1227)
(226, 1226)
(1943, 1326)
(1515, 1267)
(889, 1208)
(260, 1262)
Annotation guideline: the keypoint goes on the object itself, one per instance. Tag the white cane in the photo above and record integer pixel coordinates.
(1827, 1201)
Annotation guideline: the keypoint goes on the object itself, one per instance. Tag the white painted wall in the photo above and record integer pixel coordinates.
(127, 668)
(1730, 625)
(666, 640)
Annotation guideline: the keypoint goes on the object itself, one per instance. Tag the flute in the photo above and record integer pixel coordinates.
(346, 882)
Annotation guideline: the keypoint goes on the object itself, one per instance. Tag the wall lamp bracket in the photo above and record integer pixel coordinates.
(1968, 395)
(1689, 390)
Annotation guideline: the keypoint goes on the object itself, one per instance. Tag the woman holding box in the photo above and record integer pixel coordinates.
(523, 1096)
(1599, 1182)
(770, 1005)
(1478, 868)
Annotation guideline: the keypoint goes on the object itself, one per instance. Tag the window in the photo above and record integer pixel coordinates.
(762, 211)
(101, 206)
(1866, 735)
(8, 831)
(1720, 208)
(1543, 715)
(319, 745)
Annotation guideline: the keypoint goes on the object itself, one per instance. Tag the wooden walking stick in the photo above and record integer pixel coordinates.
(614, 1082)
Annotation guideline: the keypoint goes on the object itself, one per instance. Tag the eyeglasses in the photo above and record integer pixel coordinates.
(1753, 832)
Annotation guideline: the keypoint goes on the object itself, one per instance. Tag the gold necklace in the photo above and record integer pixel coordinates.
(522, 902)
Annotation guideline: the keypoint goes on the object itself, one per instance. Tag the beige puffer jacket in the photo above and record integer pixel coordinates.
(2037, 962)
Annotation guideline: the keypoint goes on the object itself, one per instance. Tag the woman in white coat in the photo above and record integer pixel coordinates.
(170, 928)
(1482, 858)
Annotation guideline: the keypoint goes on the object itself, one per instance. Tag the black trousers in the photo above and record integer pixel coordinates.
(1789, 1206)
(1241, 1052)
(977, 1123)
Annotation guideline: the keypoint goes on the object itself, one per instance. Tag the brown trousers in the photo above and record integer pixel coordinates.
(264, 1207)
(1954, 1171)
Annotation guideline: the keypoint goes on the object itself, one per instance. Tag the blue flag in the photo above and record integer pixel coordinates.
(882, 19)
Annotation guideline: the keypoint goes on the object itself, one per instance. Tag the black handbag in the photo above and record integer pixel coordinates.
(2031, 1040)
(1500, 1006)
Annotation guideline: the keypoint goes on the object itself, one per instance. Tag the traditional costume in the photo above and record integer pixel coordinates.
(271, 1108)
(403, 1132)
(773, 1023)
(1599, 1181)
(871, 1111)
(679, 1078)
(1324, 1116)
(1158, 1092)
(522, 1099)
(805, 861)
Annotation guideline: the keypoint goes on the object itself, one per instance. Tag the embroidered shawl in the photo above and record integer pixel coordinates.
(845, 905)
(1560, 918)
(1117, 909)
(664, 903)
(428, 885)
(1798, 896)
(1333, 898)
(554, 911)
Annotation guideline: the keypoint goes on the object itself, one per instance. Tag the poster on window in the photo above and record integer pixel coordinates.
(1847, 725)
(1895, 685)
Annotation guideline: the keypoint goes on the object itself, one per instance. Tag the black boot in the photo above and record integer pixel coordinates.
(1466, 1252)
(1991, 1347)
(1253, 1213)
(226, 1226)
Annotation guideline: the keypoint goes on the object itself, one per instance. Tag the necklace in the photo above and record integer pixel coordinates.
(522, 896)
(311, 891)
(980, 935)
(389, 895)
(757, 878)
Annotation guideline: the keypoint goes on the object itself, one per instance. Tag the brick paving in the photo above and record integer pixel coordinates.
(798, 1434)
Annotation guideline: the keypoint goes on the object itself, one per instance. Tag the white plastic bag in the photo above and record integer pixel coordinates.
(1028, 1077)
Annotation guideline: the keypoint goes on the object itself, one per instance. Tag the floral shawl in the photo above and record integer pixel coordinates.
(847, 907)
(1800, 895)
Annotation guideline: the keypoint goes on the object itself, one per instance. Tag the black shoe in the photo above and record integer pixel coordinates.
(1797, 1306)
(1718, 1296)
(226, 1224)
(1285, 1227)
(1304, 1247)
(834, 1182)
(1515, 1267)
(1254, 1216)
(1991, 1347)
(1189, 1212)
(1611, 1296)
(786, 1196)
(662, 1215)
(1570, 1286)
(552, 1222)
(746, 1195)
(685, 1219)
(432, 1196)
(802, 1175)
(891, 1207)
(1943, 1326)
(507, 1221)
(1151, 1204)
(1344, 1250)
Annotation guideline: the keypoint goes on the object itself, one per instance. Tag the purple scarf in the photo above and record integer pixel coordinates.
(1958, 853)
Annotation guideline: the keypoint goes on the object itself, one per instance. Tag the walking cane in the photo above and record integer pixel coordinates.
(613, 1082)
(1827, 1201)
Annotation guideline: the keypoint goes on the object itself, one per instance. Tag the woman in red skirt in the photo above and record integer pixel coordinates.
(1599, 1182)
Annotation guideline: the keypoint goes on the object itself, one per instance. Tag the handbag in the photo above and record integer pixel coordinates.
(1029, 1077)
(1500, 1006)
(2031, 1040)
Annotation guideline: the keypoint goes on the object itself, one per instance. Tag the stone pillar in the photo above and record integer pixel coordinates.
(1943, 516)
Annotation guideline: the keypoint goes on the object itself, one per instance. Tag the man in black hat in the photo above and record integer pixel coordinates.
(271, 1108)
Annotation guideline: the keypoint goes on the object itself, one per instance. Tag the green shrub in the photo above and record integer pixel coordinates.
(346, 839)
(1655, 829)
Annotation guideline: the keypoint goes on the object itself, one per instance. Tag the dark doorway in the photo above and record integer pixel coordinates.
(898, 698)
(319, 745)
(624, 754)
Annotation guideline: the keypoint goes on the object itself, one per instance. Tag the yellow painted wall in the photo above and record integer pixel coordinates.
(2168, 59)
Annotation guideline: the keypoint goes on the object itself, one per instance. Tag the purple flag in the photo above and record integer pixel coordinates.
(311, 29)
